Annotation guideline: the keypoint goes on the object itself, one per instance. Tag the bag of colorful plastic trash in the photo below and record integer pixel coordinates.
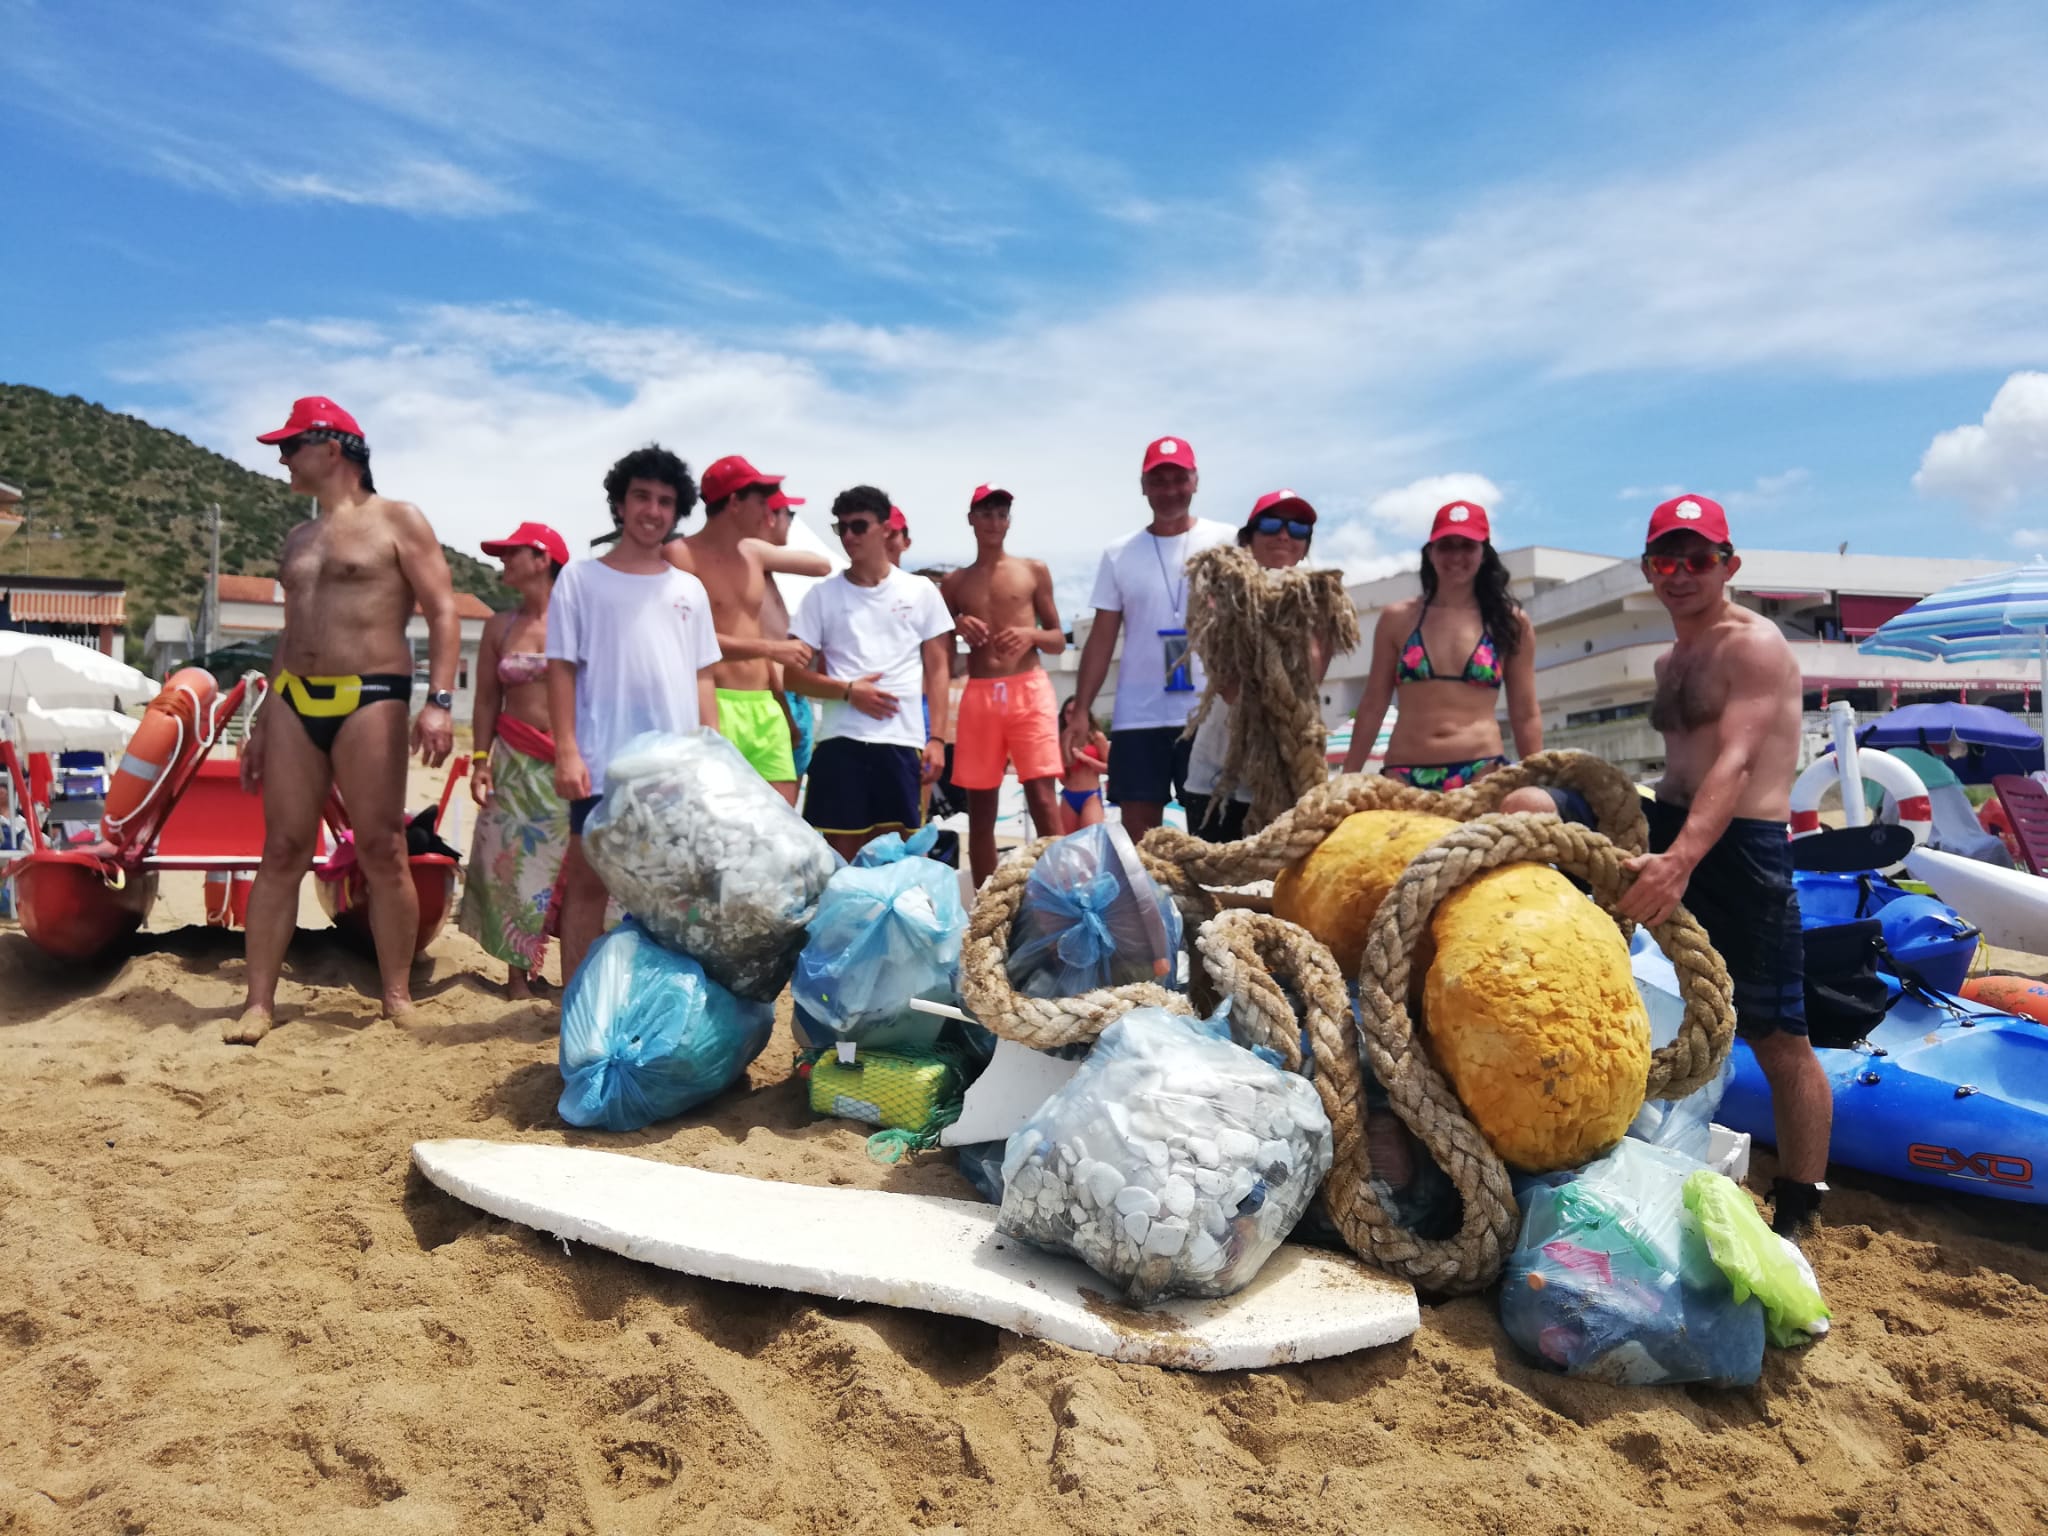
(1612, 1278)
(696, 845)
(1173, 1163)
(647, 1035)
(1091, 917)
(884, 932)
(1756, 1260)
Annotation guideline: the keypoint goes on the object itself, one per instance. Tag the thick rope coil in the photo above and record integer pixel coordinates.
(1295, 834)
(1264, 965)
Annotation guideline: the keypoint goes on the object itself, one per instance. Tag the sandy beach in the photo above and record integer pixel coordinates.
(228, 1304)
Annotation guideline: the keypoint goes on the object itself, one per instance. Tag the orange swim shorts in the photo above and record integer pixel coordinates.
(1006, 718)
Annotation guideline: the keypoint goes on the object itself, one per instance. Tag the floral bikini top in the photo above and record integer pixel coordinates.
(522, 667)
(1481, 669)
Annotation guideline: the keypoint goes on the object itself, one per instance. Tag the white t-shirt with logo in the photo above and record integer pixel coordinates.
(1144, 578)
(857, 630)
(638, 642)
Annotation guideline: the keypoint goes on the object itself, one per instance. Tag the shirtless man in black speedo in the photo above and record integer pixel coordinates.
(341, 699)
(1728, 703)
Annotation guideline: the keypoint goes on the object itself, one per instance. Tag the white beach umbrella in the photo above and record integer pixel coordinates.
(74, 730)
(59, 674)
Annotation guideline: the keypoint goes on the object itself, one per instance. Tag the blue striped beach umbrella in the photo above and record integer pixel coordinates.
(1982, 619)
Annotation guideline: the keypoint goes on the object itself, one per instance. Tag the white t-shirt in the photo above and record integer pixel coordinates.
(857, 630)
(639, 642)
(1207, 751)
(1145, 579)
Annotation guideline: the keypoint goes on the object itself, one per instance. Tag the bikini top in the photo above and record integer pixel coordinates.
(522, 667)
(1481, 669)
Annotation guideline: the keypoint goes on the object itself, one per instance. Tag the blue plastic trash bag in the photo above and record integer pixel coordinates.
(892, 846)
(1091, 917)
(883, 934)
(647, 1035)
(1612, 1279)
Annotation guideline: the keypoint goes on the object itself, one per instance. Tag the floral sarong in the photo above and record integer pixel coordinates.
(510, 903)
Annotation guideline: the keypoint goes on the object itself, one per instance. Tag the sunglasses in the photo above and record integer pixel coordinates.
(994, 511)
(1697, 561)
(853, 527)
(1296, 528)
(292, 445)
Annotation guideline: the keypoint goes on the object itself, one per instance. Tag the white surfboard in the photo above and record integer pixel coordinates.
(917, 1251)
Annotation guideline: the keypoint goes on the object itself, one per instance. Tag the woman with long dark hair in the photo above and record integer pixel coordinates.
(1448, 654)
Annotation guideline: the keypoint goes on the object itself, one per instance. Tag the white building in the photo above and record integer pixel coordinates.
(252, 608)
(1599, 631)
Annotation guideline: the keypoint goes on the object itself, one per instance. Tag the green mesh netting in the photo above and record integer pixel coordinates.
(911, 1095)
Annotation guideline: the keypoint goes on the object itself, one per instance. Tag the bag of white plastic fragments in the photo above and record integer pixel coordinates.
(1173, 1163)
(711, 860)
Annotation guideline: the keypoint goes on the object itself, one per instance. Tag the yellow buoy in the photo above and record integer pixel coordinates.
(1334, 891)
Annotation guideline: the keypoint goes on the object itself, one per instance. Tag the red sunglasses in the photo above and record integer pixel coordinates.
(1698, 562)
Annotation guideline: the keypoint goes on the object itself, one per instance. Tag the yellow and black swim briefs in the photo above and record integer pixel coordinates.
(323, 703)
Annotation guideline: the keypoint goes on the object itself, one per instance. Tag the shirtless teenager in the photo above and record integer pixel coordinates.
(732, 557)
(775, 626)
(1728, 702)
(340, 699)
(1002, 606)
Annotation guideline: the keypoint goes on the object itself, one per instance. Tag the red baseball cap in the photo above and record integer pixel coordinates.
(778, 501)
(1689, 514)
(985, 492)
(897, 520)
(731, 475)
(1168, 450)
(310, 413)
(1282, 504)
(1460, 520)
(531, 536)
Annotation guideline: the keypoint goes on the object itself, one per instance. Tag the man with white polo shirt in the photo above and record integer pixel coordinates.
(1141, 593)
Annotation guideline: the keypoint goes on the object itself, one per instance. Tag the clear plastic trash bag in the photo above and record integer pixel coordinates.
(647, 1035)
(696, 845)
(883, 934)
(1683, 1125)
(1612, 1278)
(1091, 917)
(1173, 1163)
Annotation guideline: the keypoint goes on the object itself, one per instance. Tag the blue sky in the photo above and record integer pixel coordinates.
(1558, 256)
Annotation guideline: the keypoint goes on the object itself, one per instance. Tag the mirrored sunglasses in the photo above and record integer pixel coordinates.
(1697, 561)
(1294, 526)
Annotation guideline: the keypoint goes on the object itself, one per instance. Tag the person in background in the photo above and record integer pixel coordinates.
(1278, 532)
(1081, 780)
(631, 648)
(775, 626)
(1141, 593)
(511, 900)
(1446, 734)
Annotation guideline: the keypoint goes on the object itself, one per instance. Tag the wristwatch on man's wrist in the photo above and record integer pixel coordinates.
(441, 698)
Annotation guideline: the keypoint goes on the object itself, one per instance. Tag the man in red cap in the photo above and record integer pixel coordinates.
(352, 577)
(1728, 702)
(896, 534)
(1141, 592)
(733, 557)
(1003, 608)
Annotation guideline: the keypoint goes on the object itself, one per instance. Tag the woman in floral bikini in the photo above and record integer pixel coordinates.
(1446, 734)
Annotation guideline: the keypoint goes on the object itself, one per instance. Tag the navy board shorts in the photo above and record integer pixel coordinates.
(579, 813)
(1148, 766)
(1743, 895)
(857, 787)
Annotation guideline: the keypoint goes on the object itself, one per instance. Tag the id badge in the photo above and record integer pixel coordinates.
(1174, 662)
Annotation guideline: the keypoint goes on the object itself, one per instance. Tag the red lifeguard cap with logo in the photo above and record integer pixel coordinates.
(1689, 514)
(729, 476)
(1460, 520)
(1283, 504)
(1168, 450)
(987, 493)
(779, 501)
(531, 536)
(897, 520)
(311, 414)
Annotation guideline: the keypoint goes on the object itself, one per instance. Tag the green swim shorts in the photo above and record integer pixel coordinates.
(755, 723)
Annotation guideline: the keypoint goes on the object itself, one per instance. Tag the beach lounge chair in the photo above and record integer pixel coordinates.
(2026, 808)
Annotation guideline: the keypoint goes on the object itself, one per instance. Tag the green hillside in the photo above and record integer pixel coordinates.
(114, 497)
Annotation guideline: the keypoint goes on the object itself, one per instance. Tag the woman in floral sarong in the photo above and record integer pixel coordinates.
(510, 904)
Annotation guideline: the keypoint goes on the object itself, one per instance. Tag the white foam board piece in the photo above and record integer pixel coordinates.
(1728, 1152)
(918, 1251)
(1016, 1081)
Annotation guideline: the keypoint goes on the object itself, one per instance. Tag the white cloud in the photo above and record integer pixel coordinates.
(420, 186)
(1649, 493)
(1995, 464)
(2030, 538)
(1409, 508)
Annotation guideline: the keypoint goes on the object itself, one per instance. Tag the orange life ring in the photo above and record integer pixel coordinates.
(2009, 994)
(174, 726)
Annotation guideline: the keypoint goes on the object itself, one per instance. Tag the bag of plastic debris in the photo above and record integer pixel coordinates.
(647, 1035)
(882, 934)
(1091, 917)
(1173, 1163)
(697, 845)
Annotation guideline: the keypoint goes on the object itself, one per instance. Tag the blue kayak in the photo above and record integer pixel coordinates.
(1956, 1096)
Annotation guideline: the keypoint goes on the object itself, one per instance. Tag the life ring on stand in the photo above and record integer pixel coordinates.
(178, 722)
(1916, 810)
